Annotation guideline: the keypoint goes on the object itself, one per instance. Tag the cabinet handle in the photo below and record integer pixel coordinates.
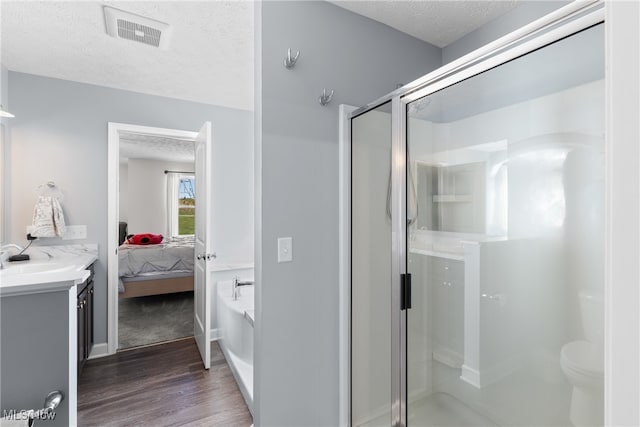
(91, 291)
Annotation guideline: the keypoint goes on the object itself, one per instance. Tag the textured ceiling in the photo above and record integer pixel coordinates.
(437, 22)
(209, 59)
(140, 146)
(210, 56)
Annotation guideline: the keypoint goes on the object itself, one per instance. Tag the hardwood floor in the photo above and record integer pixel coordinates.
(162, 385)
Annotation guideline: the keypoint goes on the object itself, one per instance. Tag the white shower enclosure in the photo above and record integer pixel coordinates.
(477, 199)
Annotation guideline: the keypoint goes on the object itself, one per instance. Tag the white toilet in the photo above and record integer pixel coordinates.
(583, 364)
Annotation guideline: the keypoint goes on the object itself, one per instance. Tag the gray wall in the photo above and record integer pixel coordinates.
(60, 134)
(524, 13)
(296, 372)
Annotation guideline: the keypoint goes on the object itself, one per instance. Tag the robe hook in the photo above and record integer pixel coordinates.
(325, 98)
(290, 62)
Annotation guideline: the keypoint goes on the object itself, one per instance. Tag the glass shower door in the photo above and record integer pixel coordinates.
(506, 173)
(371, 268)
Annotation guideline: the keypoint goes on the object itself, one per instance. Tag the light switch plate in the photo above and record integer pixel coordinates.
(285, 249)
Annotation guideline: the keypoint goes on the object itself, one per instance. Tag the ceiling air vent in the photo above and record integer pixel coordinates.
(125, 25)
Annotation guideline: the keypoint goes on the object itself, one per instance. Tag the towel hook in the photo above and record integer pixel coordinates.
(290, 62)
(50, 188)
(46, 185)
(325, 98)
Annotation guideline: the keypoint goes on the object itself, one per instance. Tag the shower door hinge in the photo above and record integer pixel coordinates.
(405, 291)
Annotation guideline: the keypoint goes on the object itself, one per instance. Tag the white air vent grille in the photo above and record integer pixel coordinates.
(125, 25)
(140, 33)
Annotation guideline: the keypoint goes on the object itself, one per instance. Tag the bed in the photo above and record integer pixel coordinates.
(156, 269)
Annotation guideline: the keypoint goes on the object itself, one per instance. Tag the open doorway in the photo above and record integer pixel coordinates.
(156, 222)
(177, 281)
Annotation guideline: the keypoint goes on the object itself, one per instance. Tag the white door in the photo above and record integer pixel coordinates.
(203, 241)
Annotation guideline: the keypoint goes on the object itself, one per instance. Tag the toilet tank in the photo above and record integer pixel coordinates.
(592, 313)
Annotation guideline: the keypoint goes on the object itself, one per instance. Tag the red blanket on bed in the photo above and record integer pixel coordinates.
(145, 239)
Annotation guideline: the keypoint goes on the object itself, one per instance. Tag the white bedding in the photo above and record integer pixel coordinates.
(169, 256)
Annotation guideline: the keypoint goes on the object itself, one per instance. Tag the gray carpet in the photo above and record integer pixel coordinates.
(153, 319)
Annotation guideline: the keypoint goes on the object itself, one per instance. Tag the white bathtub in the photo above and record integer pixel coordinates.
(235, 329)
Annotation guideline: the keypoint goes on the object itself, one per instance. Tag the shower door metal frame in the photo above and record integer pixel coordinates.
(564, 22)
(398, 263)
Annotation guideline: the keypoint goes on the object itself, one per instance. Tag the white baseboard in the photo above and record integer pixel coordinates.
(215, 334)
(99, 350)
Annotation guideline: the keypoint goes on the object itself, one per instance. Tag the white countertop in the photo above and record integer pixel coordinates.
(53, 268)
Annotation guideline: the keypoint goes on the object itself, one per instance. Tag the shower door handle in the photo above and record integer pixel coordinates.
(405, 291)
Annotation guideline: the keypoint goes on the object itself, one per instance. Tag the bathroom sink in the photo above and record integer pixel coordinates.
(35, 267)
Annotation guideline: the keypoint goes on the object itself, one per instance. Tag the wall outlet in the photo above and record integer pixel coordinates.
(75, 232)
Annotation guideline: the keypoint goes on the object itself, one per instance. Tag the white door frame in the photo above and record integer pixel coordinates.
(344, 251)
(113, 179)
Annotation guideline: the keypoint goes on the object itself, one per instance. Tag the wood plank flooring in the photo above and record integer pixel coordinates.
(162, 385)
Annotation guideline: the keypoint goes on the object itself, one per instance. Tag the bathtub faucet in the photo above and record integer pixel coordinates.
(236, 287)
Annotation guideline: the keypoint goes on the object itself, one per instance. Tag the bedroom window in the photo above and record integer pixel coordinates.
(187, 206)
(181, 204)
